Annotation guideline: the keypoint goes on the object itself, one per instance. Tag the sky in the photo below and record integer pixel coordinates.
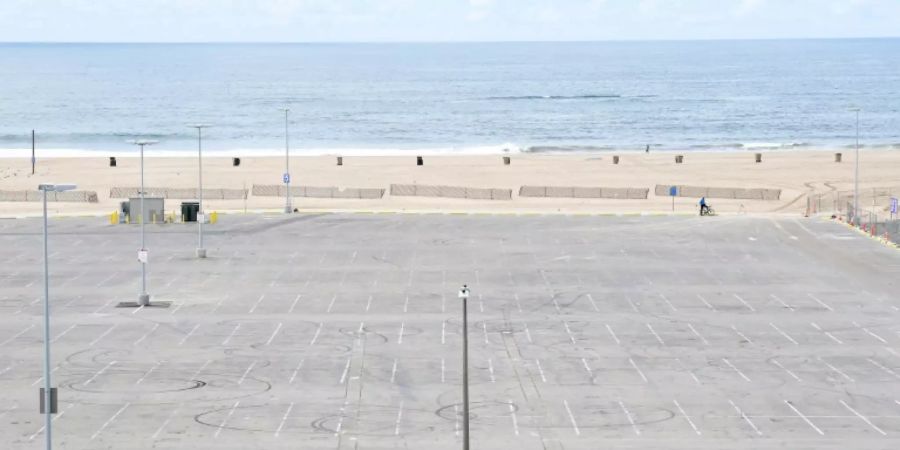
(440, 20)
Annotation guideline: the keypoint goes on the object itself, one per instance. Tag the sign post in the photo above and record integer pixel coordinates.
(673, 192)
(464, 296)
(893, 207)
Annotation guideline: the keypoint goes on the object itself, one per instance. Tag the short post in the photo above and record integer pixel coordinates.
(464, 296)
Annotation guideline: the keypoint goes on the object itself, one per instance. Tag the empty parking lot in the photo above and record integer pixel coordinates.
(343, 331)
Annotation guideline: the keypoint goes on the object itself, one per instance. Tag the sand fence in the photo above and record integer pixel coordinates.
(623, 193)
(179, 193)
(279, 190)
(462, 192)
(36, 196)
(720, 192)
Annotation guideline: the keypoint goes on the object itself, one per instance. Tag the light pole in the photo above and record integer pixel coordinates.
(144, 297)
(464, 296)
(201, 216)
(856, 178)
(48, 396)
(287, 164)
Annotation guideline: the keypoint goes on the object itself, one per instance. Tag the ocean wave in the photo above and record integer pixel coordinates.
(554, 97)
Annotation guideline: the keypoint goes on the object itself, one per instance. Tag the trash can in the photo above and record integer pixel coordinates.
(506, 160)
(340, 160)
(112, 161)
(759, 157)
(419, 161)
(837, 157)
(235, 162)
(615, 159)
(679, 159)
(189, 211)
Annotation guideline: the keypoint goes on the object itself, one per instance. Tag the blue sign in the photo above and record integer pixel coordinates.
(673, 191)
(287, 178)
(893, 205)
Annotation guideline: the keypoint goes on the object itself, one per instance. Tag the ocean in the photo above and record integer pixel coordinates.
(454, 98)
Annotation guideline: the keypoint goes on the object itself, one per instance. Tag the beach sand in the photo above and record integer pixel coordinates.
(796, 173)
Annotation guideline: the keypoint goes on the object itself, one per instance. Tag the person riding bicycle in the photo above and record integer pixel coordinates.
(704, 208)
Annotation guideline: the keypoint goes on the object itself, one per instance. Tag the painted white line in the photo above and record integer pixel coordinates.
(296, 371)
(569, 332)
(729, 364)
(331, 304)
(613, 334)
(225, 420)
(831, 336)
(456, 415)
(274, 333)
(316, 336)
(246, 372)
(147, 334)
(864, 419)
(491, 370)
(633, 306)
(110, 420)
(749, 306)
(284, 419)
(185, 338)
(406, 304)
(805, 419)
(702, 339)
(166, 422)
(639, 371)
(687, 417)
(792, 374)
(653, 332)
(98, 373)
(41, 429)
(236, 327)
(17, 335)
(820, 302)
(708, 305)
(58, 336)
(345, 372)
(836, 370)
(691, 372)
(512, 414)
(572, 418)
(443, 379)
(147, 373)
(782, 302)
(783, 334)
(671, 306)
(746, 419)
(634, 427)
(589, 296)
(400, 333)
(885, 369)
(866, 330)
(527, 332)
(484, 330)
(294, 304)
(741, 334)
(444, 332)
(197, 373)
(399, 418)
(588, 369)
(540, 370)
(394, 371)
(175, 310)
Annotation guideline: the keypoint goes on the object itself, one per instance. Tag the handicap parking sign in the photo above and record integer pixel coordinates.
(673, 191)
(893, 205)
(287, 178)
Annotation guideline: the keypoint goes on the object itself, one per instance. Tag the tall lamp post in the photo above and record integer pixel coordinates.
(856, 177)
(48, 396)
(201, 216)
(464, 296)
(144, 297)
(287, 164)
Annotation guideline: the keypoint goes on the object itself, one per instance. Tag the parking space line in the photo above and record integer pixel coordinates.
(748, 305)
(687, 417)
(331, 304)
(589, 297)
(491, 370)
(587, 367)
(569, 332)
(820, 302)
(256, 305)
(99, 372)
(227, 339)
(783, 333)
(633, 306)
(777, 298)
(741, 334)
(29, 327)
(792, 374)
(141, 339)
(246, 372)
(484, 330)
(456, 415)
(732, 366)
(746, 419)
(512, 415)
(294, 303)
(572, 418)
(540, 370)
(831, 336)
(836, 370)
(864, 419)
(185, 338)
(110, 420)
(691, 372)
(197, 373)
(444, 331)
(666, 300)
(345, 372)
(805, 419)
(41, 429)
(225, 420)
(866, 330)
(708, 305)
(406, 304)
(443, 379)
(400, 333)
(369, 303)
(316, 335)
(394, 371)
(63, 333)
(399, 418)
(702, 339)
(613, 334)
(274, 333)
(296, 371)
(166, 422)
(634, 427)
(883, 368)
(639, 371)
(653, 332)
(147, 373)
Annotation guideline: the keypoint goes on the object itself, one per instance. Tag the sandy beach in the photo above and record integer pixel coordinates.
(797, 173)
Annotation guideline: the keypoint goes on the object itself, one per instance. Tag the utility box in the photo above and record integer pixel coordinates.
(153, 210)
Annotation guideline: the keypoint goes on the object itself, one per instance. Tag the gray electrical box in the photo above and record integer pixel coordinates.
(152, 212)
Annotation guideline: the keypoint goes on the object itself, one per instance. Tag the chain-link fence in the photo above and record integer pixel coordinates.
(885, 225)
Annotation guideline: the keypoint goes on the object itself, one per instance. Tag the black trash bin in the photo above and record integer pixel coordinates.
(189, 211)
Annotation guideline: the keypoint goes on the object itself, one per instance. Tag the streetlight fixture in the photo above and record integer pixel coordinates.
(856, 177)
(143, 256)
(464, 296)
(201, 216)
(287, 164)
(48, 394)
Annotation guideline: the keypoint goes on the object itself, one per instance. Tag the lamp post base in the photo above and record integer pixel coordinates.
(201, 253)
(144, 300)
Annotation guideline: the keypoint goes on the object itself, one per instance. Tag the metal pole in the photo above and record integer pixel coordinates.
(201, 252)
(144, 297)
(47, 407)
(856, 178)
(465, 370)
(33, 160)
(287, 164)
